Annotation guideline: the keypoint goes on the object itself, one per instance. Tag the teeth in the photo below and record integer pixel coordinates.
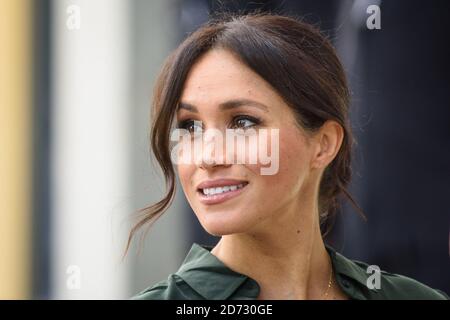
(218, 190)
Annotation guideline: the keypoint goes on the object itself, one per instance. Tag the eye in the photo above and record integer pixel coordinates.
(245, 122)
(193, 126)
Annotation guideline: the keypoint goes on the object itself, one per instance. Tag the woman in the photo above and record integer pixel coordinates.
(254, 76)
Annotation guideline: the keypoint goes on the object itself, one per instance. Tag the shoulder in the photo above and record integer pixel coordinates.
(201, 276)
(401, 287)
(172, 288)
(395, 286)
(359, 280)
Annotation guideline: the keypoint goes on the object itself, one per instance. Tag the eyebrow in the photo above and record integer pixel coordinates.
(227, 105)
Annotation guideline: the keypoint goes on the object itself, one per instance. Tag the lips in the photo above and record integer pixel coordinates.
(220, 190)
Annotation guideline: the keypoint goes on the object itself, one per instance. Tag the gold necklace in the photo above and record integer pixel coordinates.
(330, 282)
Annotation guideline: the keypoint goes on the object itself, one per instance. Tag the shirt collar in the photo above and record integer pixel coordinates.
(351, 276)
(347, 267)
(200, 268)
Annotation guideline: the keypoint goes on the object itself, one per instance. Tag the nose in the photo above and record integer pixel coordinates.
(213, 153)
(209, 163)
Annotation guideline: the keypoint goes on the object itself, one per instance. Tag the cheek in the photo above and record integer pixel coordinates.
(185, 173)
(293, 166)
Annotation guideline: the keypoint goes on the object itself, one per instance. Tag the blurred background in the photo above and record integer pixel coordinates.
(76, 80)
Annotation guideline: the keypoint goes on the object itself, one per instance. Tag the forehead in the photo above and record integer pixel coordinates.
(218, 76)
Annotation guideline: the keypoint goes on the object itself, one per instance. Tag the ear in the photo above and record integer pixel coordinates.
(328, 141)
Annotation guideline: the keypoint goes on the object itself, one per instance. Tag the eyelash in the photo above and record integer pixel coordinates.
(184, 124)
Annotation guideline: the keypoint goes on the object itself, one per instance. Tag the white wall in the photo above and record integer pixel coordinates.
(90, 153)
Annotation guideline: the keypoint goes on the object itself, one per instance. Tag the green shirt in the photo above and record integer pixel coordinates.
(203, 276)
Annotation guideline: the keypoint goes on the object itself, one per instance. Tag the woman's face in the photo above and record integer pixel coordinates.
(217, 78)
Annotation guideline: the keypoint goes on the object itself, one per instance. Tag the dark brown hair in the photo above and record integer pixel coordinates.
(294, 58)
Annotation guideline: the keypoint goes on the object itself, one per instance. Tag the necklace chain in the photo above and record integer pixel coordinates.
(330, 282)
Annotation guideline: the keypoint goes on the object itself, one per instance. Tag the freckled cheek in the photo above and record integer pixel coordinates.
(292, 161)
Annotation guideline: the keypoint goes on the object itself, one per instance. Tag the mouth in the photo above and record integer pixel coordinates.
(217, 192)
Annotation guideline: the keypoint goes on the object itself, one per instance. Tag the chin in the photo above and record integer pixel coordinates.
(222, 224)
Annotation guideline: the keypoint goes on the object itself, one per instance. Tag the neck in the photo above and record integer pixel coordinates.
(286, 256)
